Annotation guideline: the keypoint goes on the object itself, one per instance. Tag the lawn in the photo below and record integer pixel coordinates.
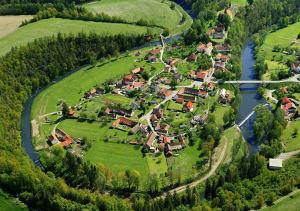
(81, 81)
(291, 142)
(286, 37)
(52, 26)
(290, 204)
(10, 23)
(8, 203)
(154, 11)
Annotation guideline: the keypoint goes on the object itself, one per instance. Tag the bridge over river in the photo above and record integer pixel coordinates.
(290, 80)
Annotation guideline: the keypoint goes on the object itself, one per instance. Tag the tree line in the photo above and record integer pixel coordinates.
(22, 71)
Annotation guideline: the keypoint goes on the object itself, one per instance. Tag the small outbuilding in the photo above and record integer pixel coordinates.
(275, 164)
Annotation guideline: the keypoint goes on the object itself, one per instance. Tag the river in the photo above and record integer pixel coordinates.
(249, 96)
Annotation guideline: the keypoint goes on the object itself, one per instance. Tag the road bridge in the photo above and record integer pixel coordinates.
(257, 82)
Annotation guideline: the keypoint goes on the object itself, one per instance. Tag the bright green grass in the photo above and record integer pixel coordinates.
(157, 165)
(237, 146)
(239, 2)
(219, 114)
(116, 156)
(8, 203)
(290, 142)
(284, 38)
(184, 164)
(154, 11)
(289, 204)
(52, 26)
(79, 82)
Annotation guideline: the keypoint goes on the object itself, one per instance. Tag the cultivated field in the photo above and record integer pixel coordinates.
(154, 11)
(286, 37)
(10, 23)
(52, 26)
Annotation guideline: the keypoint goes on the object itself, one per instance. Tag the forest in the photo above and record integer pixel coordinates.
(24, 70)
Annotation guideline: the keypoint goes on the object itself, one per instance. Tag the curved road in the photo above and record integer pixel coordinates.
(203, 178)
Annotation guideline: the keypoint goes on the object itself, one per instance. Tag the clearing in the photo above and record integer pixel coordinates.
(153, 11)
(10, 23)
(52, 26)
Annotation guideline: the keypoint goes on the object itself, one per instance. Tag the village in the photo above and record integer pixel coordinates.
(164, 105)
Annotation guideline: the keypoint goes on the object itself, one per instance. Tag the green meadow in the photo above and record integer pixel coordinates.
(290, 140)
(8, 203)
(114, 154)
(83, 80)
(286, 37)
(53, 26)
(154, 11)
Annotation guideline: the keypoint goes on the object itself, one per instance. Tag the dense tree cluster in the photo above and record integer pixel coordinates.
(265, 13)
(22, 71)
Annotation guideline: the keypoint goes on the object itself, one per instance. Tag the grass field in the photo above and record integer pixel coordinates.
(8, 203)
(185, 163)
(286, 37)
(237, 146)
(47, 100)
(289, 204)
(116, 156)
(153, 11)
(10, 23)
(239, 2)
(52, 26)
(291, 143)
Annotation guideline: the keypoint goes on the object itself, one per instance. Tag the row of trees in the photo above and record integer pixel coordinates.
(22, 71)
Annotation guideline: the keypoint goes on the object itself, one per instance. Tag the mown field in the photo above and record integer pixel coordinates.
(49, 27)
(154, 11)
(288, 204)
(10, 23)
(81, 81)
(8, 203)
(286, 37)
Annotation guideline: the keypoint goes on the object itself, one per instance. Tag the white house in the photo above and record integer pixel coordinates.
(275, 163)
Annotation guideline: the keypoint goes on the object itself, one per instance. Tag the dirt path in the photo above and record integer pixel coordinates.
(288, 155)
(204, 178)
(282, 198)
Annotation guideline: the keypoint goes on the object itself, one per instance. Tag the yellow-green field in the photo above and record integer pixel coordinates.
(10, 23)
(154, 11)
